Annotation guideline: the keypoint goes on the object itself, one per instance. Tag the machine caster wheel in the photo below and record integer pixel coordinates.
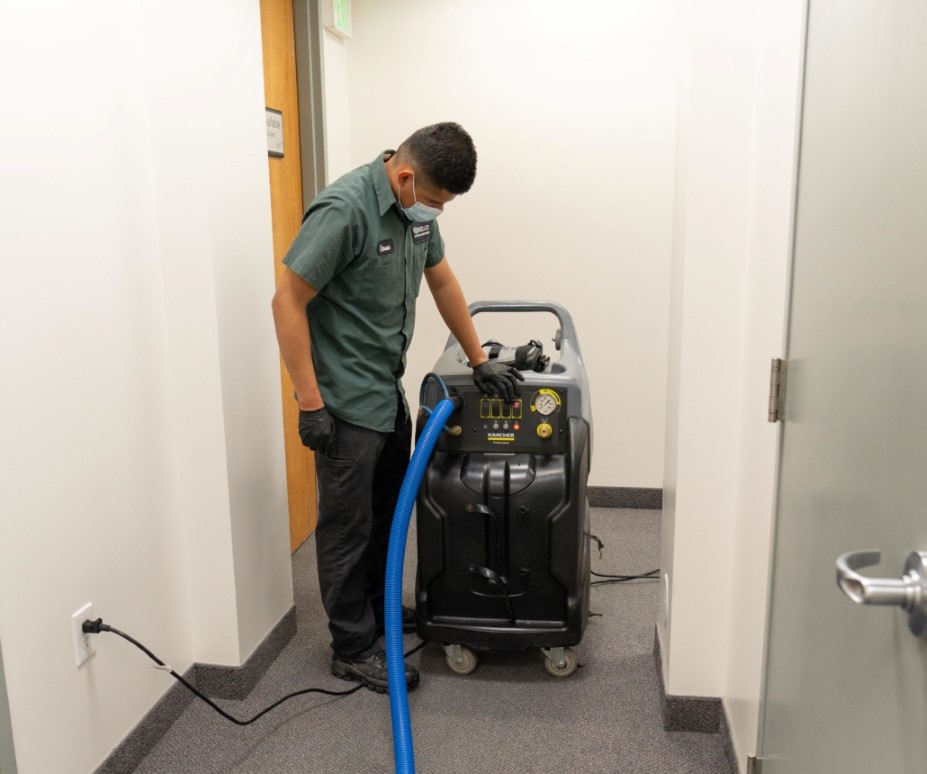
(460, 659)
(560, 662)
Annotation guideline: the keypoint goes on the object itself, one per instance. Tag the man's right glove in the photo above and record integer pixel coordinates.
(317, 430)
(495, 378)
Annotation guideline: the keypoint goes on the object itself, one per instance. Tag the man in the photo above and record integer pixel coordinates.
(353, 272)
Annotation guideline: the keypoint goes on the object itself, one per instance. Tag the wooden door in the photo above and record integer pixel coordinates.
(287, 211)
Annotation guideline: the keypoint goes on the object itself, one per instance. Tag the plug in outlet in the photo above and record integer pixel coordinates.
(83, 642)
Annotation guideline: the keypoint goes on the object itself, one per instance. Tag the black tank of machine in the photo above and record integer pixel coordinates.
(502, 515)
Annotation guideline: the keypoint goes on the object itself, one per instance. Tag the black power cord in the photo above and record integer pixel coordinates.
(95, 627)
(652, 575)
(416, 649)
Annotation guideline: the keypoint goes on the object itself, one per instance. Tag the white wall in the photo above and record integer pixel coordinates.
(735, 157)
(710, 227)
(142, 456)
(573, 118)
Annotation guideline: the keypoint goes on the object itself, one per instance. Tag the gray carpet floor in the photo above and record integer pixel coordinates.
(508, 717)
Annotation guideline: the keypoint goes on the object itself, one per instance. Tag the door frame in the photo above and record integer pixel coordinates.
(310, 79)
(783, 417)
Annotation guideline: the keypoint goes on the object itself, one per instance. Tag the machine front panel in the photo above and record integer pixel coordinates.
(534, 422)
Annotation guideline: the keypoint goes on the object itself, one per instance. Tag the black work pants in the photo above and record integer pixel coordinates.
(359, 482)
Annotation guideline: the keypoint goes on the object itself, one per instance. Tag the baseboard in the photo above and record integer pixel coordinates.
(625, 497)
(133, 749)
(222, 682)
(217, 682)
(700, 714)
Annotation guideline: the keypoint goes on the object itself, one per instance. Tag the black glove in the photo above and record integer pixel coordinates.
(317, 430)
(495, 378)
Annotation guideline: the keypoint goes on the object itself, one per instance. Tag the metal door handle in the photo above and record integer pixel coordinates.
(908, 592)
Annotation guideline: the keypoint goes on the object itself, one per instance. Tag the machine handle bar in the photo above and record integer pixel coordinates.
(567, 329)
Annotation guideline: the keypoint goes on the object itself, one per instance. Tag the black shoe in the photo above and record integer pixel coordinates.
(408, 622)
(370, 671)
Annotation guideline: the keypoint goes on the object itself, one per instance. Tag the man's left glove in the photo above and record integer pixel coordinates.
(495, 378)
(317, 430)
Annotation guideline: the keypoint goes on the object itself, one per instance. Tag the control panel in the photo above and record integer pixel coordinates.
(534, 422)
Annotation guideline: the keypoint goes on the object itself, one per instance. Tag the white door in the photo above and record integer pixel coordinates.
(846, 684)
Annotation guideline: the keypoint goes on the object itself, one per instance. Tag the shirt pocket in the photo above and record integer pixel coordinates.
(379, 282)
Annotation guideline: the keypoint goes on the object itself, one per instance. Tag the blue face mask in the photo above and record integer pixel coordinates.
(418, 212)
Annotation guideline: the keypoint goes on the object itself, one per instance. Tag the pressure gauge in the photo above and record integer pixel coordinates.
(545, 404)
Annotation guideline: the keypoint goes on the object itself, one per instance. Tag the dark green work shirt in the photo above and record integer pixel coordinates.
(366, 261)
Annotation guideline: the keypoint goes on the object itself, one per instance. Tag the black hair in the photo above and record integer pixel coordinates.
(444, 154)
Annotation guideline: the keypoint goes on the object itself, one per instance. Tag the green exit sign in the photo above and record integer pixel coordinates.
(338, 17)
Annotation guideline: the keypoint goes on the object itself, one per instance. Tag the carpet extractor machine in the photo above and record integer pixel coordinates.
(502, 515)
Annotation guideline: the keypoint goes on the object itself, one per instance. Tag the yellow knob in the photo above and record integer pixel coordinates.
(545, 430)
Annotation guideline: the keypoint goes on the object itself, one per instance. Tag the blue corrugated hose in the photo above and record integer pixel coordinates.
(392, 605)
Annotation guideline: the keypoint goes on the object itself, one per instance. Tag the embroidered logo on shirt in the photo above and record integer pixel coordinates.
(421, 232)
(386, 247)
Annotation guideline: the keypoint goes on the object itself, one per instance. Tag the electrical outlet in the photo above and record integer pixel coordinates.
(83, 642)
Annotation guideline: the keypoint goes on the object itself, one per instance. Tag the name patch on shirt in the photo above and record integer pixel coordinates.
(421, 232)
(386, 247)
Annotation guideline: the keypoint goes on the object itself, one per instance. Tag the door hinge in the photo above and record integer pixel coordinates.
(778, 370)
(754, 765)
